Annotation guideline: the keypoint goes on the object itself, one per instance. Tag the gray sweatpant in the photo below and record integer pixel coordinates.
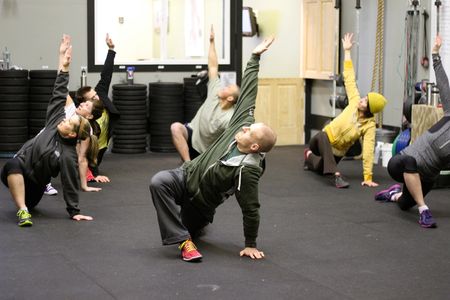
(178, 219)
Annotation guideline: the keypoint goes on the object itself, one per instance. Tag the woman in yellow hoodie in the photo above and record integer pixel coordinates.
(356, 121)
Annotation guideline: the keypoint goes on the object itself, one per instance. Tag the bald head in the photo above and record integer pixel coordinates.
(255, 138)
(265, 137)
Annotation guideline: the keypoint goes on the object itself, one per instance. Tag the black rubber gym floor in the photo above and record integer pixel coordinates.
(319, 242)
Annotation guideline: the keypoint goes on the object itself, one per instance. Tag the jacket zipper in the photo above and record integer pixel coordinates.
(445, 144)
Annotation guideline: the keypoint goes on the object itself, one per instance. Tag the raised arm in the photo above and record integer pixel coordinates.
(249, 87)
(65, 53)
(55, 108)
(441, 76)
(102, 87)
(213, 64)
(349, 72)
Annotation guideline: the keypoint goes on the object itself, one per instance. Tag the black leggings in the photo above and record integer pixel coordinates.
(33, 191)
(322, 159)
(397, 166)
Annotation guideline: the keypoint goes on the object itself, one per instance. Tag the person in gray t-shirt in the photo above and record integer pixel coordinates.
(419, 165)
(213, 116)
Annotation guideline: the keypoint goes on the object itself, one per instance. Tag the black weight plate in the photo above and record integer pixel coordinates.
(43, 73)
(6, 106)
(14, 138)
(23, 90)
(42, 82)
(13, 98)
(128, 87)
(14, 114)
(40, 90)
(128, 151)
(13, 73)
(13, 122)
(13, 81)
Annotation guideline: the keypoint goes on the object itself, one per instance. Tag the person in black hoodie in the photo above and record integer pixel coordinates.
(95, 105)
(51, 152)
(110, 114)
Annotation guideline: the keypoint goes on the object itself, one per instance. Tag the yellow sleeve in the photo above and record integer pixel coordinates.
(350, 83)
(368, 149)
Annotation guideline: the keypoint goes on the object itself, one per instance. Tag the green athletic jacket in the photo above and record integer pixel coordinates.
(211, 180)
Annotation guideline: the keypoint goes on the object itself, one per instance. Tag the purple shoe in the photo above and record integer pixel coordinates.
(426, 219)
(385, 195)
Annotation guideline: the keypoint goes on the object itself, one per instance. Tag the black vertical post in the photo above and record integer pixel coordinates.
(308, 115)
(438, 4)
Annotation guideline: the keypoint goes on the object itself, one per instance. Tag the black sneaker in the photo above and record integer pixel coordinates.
(340, 183)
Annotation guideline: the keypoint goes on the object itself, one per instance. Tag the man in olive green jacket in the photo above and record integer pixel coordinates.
(186, 198)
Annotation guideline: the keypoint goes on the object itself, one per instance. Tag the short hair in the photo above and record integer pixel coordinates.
(81, 92)
(266, 138)
(97, 105)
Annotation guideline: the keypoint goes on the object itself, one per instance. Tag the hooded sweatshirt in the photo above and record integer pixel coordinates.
(48, 154)
(348, 127)
(212, 177)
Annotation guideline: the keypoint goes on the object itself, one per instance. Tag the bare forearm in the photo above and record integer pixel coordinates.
(213, 64)
(347, 55)
(82, 167)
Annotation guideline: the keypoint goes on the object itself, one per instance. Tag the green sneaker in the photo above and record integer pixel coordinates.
(24, 218)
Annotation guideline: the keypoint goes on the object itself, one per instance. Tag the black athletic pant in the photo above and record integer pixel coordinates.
(178, 219)
(397, 166)
(101, 152)
(33, 191)
(322, 160)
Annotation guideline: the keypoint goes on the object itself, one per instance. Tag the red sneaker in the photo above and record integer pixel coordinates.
(89, 176)
(189, 252)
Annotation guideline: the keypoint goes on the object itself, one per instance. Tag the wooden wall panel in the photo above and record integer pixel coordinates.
(318, 39)
(280, 105)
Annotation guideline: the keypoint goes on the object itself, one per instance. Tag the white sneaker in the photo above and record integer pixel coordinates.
(49, 190)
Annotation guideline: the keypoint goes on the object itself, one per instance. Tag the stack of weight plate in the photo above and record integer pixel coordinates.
(130, 134)
(166, 107)
(192, 98)
(13, 110)
(41, 89)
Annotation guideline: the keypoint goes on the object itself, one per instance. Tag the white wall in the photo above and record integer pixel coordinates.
(31, 30)
(281, 19)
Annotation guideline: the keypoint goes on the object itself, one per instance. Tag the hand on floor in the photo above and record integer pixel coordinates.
(369, 183)
(91, 189)
(253, 253)
(101, 178)
(82, 218)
